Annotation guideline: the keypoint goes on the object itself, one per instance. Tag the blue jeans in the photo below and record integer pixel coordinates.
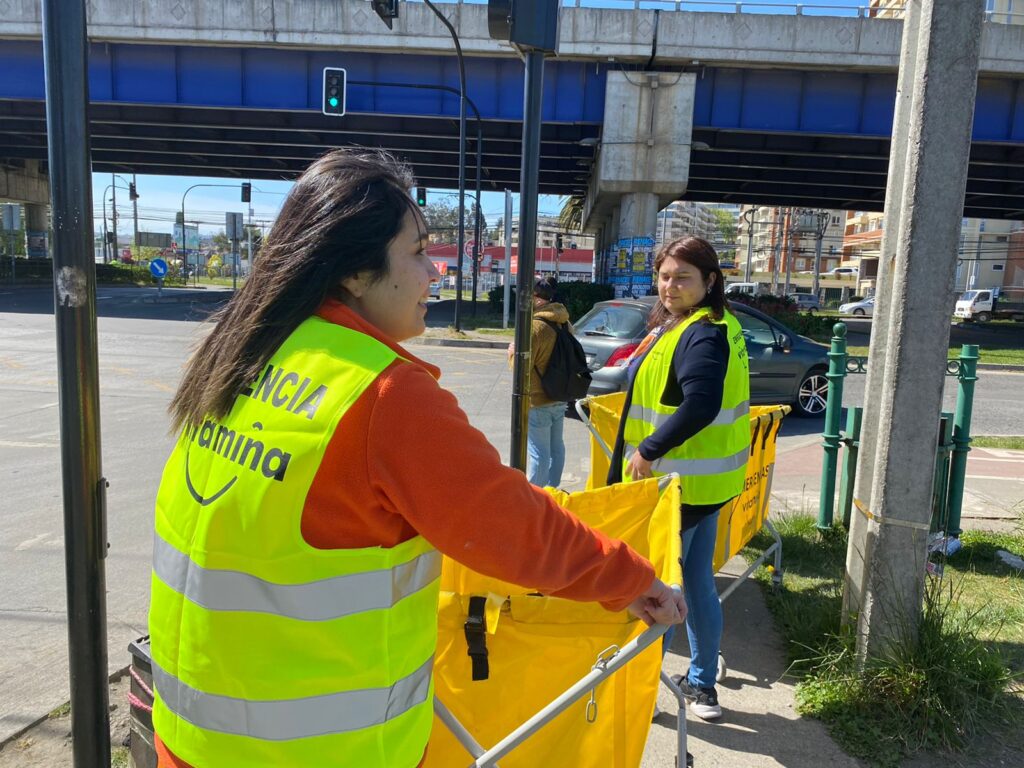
(545, 449)
(704, 620)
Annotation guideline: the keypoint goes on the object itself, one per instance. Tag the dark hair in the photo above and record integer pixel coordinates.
(545, 287)
(699, 253)
(337, 221)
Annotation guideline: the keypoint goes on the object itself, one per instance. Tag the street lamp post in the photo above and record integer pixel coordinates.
(462, 157)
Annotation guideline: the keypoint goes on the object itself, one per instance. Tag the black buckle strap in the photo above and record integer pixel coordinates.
(476, 637)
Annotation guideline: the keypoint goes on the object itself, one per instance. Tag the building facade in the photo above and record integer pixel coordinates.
(548, 229)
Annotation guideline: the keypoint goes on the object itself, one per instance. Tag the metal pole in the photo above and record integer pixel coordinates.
(462, 161)
(830, 435)
(533, 92)
(65, 54)
(476, 222)
(961, 435)
(508, 258)
(135, 212)
(849, 475)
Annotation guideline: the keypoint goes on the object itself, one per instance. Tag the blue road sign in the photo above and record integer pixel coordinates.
(158, 267)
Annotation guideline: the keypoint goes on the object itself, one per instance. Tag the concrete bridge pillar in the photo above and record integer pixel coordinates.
(643, 159)
(638, 214)
(37, 227)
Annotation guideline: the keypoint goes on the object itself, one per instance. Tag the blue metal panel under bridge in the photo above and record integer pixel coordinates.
(771, 136)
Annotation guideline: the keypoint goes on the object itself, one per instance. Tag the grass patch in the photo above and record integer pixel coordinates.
(119, 757)
(960, 678)
(1008, 442)
(63, 709)
(1003, 356)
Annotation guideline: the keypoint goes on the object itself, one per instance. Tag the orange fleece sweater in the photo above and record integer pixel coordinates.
(405, 460)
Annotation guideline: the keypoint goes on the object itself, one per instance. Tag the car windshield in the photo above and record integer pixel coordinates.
(968, 296)
(616, 321)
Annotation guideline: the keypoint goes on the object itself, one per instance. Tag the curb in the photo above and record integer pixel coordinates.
(1000, 367)
(471, 343)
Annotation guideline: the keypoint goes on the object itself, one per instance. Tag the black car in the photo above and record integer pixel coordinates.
(784, 366)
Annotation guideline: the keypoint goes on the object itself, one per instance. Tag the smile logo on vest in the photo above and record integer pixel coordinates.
(236, 448)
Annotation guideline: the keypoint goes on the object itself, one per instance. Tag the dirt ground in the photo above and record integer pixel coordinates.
(48, 744)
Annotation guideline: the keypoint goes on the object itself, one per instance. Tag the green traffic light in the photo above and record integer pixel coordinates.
(333, 101)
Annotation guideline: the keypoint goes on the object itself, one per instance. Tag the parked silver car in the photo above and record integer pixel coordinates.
(784, 367)
(805, 302)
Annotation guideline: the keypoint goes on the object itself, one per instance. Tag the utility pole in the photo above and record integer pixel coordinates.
(113, 211)
(823, 217)
(885, 570)
(776, 260)
(791, 230)
(749, 219)
(135, 212)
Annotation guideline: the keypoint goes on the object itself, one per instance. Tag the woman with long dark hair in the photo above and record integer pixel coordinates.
(687, 411)
(320, 470)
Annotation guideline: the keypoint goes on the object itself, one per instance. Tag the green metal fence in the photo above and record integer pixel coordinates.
(952, 447)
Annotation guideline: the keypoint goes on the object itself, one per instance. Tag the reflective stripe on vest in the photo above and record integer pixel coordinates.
(295, 718)
(267, 651)
(321, 600)
(712, 463)
(725, 416)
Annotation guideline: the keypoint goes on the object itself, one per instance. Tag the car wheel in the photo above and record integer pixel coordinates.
(812, 396)
(983, 317)
(859, 312)
(811, 310)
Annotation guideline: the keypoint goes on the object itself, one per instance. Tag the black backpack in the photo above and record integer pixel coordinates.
(567, 376)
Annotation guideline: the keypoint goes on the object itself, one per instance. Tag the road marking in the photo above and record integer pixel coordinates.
(19, 444)
(1002, 453)
(996, 477)
(29, 543)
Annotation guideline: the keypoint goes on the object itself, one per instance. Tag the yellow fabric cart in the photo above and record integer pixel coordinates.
(553, 686)
(549, 662)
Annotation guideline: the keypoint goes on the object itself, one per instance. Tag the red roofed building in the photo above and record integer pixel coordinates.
(573, 263)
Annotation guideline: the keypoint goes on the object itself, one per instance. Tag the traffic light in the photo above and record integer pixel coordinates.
(558, 241)
(421, 196)
(386, 9)
(334, 91)
(527, 24)
(132, 193)
(246, 192)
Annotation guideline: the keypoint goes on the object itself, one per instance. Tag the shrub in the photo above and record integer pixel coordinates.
(784, 309)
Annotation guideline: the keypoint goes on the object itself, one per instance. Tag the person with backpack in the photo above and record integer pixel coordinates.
(544, 444)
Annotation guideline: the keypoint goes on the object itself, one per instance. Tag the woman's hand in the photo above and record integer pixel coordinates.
(660, 604)
(639, 468)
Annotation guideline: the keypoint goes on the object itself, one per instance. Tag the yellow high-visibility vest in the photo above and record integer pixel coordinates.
(266, 650)
(713, 463)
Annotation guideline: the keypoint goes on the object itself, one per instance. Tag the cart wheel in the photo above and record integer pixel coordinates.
(776, 580)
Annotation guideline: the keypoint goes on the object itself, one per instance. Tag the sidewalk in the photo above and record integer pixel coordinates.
(993, 491)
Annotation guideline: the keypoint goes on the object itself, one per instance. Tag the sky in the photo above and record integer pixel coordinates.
(160, 197)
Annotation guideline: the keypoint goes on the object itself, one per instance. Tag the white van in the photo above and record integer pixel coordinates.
(750, 288)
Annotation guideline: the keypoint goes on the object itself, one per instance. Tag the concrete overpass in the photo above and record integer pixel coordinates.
(651, 105)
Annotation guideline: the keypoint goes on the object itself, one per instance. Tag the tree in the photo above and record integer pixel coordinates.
(726, 225)
(257, 239)
(443, 221)
(570, 219)
(221, 242)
